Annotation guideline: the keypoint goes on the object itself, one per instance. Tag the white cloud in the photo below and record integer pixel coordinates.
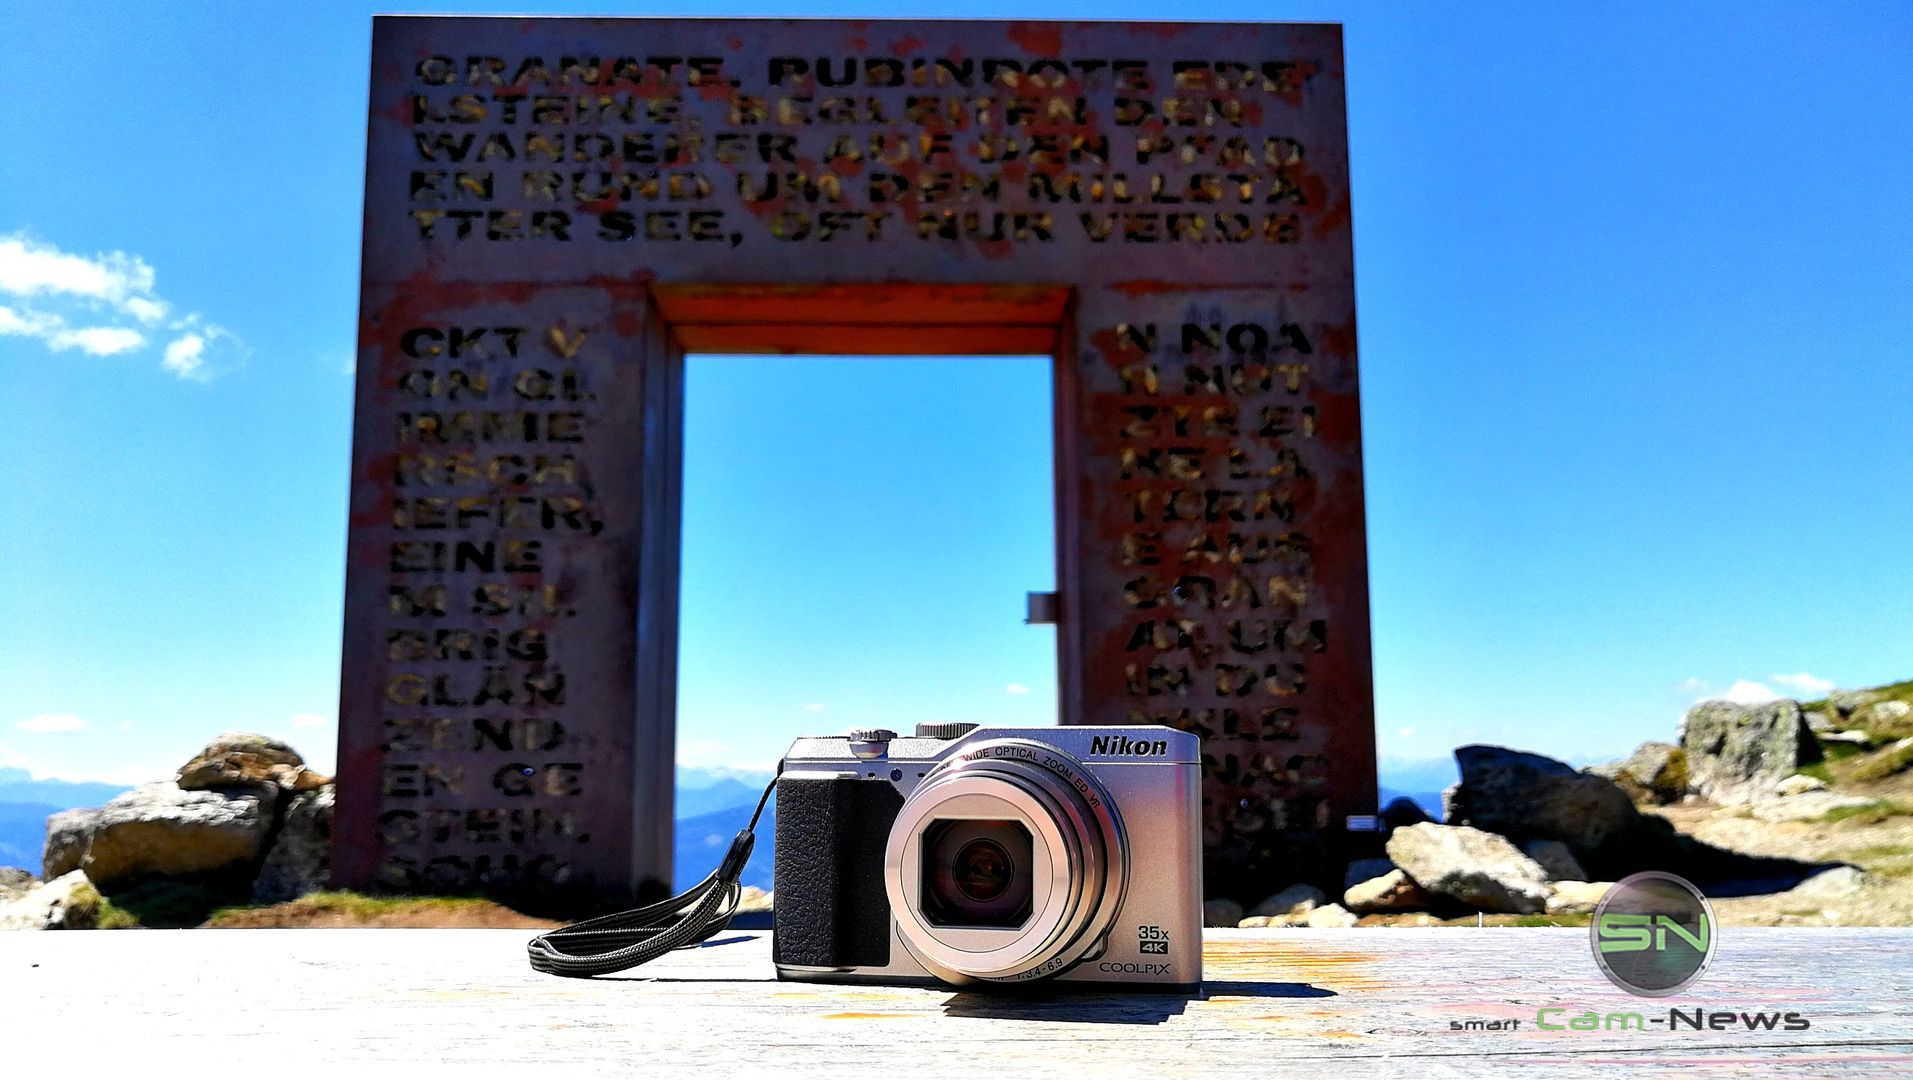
(1017, 688)
(98, 304)
(1748, 692)
(97, 340)
(51, 722)
(1405, 733)
(814, 707)
(310, 720)
(1812, 686)
(28, 268)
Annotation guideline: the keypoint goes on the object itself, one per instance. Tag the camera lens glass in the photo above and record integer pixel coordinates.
(977, 873)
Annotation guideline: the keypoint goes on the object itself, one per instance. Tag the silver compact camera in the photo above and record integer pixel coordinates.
(970, 855)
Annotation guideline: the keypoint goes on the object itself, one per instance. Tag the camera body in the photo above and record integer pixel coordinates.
(966, 855)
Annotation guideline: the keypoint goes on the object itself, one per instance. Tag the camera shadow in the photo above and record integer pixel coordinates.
(1128, 1007)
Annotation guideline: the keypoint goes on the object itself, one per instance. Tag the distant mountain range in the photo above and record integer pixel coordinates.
(712, 804)
(25, 804)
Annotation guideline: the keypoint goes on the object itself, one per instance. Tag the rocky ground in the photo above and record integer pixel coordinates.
(1785, 813)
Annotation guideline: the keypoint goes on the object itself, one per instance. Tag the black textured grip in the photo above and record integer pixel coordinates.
(831, 910)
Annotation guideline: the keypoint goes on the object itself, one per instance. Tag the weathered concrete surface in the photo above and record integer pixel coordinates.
(1278, 1003)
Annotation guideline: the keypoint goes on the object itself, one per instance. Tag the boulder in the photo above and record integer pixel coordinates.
(1477, 868)
(68, 902)
(1856, 737)
(1362, 870)
(1294, 900)
(1799, 784)
(238, 759)
(1257, 922)
(159, 830)
(1820, 720)
(1836, 884)
(237, 768)
(1528, 796)
(270, 749)
(1808, 805)
(1391, 892)
(1660, 769)
(1403, 812)
(67, 834)
(1885, 719)
(1329, 917)
(1454, 806)
(1556, 860)
(1576, 897)
(1848, 702)
(752, 898)
(15, 882)
(1222, 912)
(299, 860)
(1736, 753)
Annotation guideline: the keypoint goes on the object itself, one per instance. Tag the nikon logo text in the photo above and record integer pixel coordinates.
(1124, 745)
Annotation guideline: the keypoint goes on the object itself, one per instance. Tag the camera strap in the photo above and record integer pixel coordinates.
(611, 943)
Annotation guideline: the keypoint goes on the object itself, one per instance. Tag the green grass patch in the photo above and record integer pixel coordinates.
(351, 907)
(1878, 766)
(1818, 770)
(169, 904)
(1866, 813)
(1564, 919)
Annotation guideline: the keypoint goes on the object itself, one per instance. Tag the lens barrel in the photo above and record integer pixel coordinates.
(963, 900)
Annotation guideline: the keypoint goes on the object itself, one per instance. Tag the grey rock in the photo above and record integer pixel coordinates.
(1736, 753)
(1855, 737)
(1659, 768)
(262, 746)
(1365, 870)
(1454, 805)
(1294, 900)
(1391, 892)
(1819, 720)
(15, 882)
(1576, 897)
(1838, 883)
(1885, 719)
(1556, 860)
(159, 830)
(1528, 796)
(1402, 812)
(67, 834)
(1221, 913)
(1807, 806)
(1329, 917)
(1477, 868)
(242, 760)
(299, 860)
(1799, 784)
(68, 902)
(1847, 702)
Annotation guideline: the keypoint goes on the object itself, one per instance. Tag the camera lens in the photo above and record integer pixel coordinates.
(983, 870)
(1008, 862)
(977, 873)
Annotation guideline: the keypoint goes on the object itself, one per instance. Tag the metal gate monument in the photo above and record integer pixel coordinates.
(557, 210)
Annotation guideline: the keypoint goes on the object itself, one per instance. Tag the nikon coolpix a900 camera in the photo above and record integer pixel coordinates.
(970, 855)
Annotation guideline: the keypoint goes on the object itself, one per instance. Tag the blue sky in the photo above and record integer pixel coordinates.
(1636, 335)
